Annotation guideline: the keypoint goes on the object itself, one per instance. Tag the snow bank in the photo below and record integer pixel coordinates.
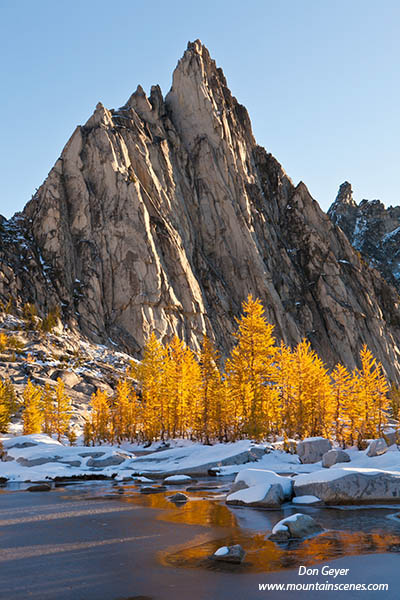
(196, 459)
(36, 457)
(262, 477)
(332, 474)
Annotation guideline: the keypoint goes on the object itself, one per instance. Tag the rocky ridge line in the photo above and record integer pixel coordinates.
(372, 229)
(165, 214)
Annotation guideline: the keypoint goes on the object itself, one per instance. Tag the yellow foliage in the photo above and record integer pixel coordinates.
(31, 416)
(251, 371)
(266, 391)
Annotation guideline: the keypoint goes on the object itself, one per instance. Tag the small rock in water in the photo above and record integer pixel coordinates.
(148, 489)
(232, 554)
(179, 498)
(41, 487)
(177, 479)
(295, 526)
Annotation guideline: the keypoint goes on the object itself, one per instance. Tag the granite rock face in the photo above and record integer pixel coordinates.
(163, 215)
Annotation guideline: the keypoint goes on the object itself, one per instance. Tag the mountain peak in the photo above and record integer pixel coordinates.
(345, 194)
(163, 215)
(200, 103)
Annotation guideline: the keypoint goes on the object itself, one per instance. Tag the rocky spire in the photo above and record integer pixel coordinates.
(345, 194)
(344, 211)
(163, 215)
(201, 104)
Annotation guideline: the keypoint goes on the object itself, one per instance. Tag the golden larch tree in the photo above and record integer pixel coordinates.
(125, 412)
(251, 371)
(8, 403)
(342, 395)
(150, 374)
(99, 427)
(62, 410)
(211, 397)
(31, 416)
(371, 396)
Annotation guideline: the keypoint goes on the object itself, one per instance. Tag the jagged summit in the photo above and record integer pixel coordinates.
(345, 194)
(164, 214)
(372, 229)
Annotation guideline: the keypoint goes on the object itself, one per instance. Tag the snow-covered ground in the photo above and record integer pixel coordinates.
(38, 457)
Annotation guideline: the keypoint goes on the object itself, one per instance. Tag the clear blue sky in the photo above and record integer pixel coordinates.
(320, 79)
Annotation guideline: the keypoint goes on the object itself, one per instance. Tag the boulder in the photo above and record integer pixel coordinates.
(178, 498)
(22, 445)
(92, 454)
(377, 447)
(35, 462)
(109, 461)
(346, 485)
(258, 496)
(332, 457)
(311, 450)
(182, 461)
(295, 526)
(71, 463)
(177, 479)
(247, 478)
(238, 485)
(69, 378)
(41, 487)
(391, 437)
(85, 388)
(231, 554)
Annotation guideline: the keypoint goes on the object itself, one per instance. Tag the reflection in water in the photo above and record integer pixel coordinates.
(263, 555)
(198, 511)
(362, 531)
